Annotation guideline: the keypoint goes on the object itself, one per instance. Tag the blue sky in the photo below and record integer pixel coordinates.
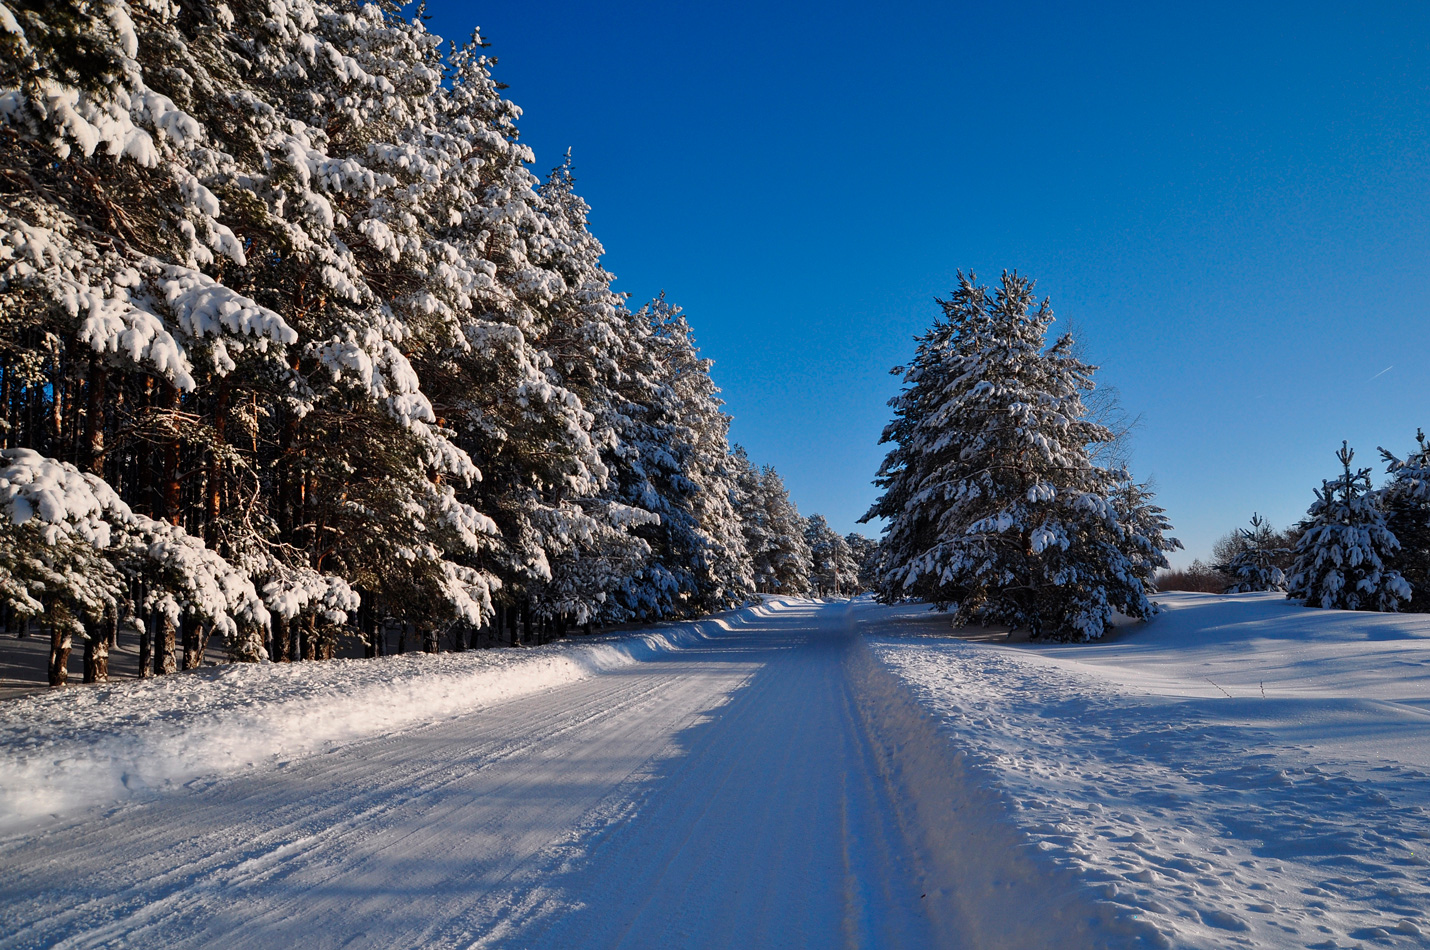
(1231, 202)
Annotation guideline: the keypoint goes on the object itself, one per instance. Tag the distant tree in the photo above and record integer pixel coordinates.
(1197, 577)
(1341, 558)
(773, 529)
(833, 567)
(1405, 499)
(865, 552)
(1253, 566)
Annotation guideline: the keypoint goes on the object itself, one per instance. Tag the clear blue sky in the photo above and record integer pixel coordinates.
(1232, 202)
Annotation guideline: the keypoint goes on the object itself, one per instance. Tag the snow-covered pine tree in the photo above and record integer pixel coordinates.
(833, 569)
(1405, 499)
(754, 521)
(992, 500)
(1145, 528)
(593, 345)
(1253, 568)
(675, 462)
(865, 552)
(1341, 557)
(784, 562)
(773, 529)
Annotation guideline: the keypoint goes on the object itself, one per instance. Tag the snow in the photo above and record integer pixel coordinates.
(763, 784)
(60, 495)
(71, 750)
(1242, 771)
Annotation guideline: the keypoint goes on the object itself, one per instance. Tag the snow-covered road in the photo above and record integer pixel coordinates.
(725, 794)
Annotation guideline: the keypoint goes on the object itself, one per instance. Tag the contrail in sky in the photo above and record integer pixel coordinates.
(1381, 373)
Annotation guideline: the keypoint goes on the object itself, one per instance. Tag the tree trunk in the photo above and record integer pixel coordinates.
(193, 649)
(146, 646)
(94, 417)
(586, 628)
(278, 641)
(61, 640)
(526, 622)
(429, 640)
(169, 477)
(402, 638)
(309, 638)
(166, 659)
(214, 483)
(96, 656)
(370, 641)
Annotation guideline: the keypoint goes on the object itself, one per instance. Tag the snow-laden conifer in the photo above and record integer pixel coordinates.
(833, 568)
(1341, 557)
(675, 463)
(1253, 568)
(864, 551)
(1405, 499)
(773, 529)
(992, 499)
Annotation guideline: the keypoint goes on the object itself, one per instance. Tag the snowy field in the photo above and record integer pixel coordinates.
(1240, 772)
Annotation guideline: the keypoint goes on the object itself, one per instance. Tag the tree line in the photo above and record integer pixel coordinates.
(293, 341)
(1360, 547)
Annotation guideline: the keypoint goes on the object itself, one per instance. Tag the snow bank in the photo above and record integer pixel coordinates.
(996, 889)
(1241, 772)
(85, 748)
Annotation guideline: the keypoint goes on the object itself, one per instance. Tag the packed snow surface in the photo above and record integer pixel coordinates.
(1239, 772)
(1242, 771)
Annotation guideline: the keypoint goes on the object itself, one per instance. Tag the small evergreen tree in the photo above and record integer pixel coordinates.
(1341, 558)
(1253, 567)
(1405, 499)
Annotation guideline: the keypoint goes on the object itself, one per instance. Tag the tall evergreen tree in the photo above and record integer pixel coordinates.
(992, 499)
(676, 464)
(774, 534)
(865, 553)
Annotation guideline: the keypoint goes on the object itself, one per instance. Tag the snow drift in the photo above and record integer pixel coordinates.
(1242, 772)
(61, 752)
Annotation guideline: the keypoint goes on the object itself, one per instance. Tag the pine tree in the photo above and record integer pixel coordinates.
(1405, 499)
(865, 554)
(1341, 558)
(1253, 568)
(675, 463)
(992, 499)
(833, 569)
(779, 554)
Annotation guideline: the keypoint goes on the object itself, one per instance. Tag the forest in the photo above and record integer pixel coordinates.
(294, 345)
